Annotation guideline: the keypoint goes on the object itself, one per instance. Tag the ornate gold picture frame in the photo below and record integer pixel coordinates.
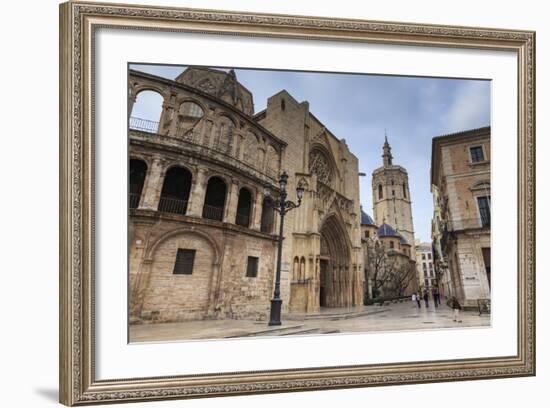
(79, 22)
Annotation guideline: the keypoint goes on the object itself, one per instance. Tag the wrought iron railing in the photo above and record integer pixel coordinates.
(242, 220)
(212, 212)
(133, 200)
(144, 125)
(172, 205)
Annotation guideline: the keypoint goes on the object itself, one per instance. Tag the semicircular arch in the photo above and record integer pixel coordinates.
(184, 231)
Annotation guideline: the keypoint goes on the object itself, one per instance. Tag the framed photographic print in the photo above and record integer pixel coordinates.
(259, 203)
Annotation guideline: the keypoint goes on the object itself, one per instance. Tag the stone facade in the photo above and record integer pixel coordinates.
(461, 227)
(425, 266)
(202, 235)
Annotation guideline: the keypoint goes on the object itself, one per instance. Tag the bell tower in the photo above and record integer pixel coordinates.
(391, 196)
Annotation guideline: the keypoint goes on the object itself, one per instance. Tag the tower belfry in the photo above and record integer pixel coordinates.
(387, 152)
(391, 196)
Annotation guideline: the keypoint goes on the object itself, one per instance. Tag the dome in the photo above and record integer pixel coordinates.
(366, 219)
(402, 240)
(387, 231)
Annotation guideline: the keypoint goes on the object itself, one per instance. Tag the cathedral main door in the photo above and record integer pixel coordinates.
(322, 278)
(335, 286)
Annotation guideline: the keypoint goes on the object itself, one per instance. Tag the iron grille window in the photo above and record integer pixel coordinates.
(252, 267)
(484, 210)
(184, 261)
(476, 153)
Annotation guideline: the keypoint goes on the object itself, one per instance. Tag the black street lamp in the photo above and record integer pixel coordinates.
(282, 206)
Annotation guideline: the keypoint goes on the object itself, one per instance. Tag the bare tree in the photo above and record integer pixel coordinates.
(400, 278)
(388, 274)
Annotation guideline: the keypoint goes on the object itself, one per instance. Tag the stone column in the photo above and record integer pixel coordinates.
(131, 101)
(153, 185)
(231, 208)
(257, 212)
(196, 196)
(140, 288)
(168, 119)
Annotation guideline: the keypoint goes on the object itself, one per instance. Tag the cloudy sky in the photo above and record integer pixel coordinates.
(359, 108)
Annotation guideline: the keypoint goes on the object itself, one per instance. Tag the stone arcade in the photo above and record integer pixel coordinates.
(201, 236)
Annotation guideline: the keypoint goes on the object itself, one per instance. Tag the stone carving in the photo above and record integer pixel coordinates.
(318, 164)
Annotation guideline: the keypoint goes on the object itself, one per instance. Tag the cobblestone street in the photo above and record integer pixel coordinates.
(394, 316)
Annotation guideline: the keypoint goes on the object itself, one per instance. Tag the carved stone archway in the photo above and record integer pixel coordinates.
(336, 275)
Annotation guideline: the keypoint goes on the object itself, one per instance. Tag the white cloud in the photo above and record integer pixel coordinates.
(470, 108)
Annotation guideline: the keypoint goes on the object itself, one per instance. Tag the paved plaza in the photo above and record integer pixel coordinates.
(393, 316)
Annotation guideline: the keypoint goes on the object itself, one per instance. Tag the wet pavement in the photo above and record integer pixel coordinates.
(394, 316)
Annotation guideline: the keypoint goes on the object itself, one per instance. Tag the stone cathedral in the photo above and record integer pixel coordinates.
(202, 231)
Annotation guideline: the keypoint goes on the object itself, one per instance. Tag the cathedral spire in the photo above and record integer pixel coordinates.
(387, 151)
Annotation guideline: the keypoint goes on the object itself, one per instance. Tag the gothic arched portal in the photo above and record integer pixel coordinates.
(336, 277)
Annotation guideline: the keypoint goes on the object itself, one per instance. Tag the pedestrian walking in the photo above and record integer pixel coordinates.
(413, 298)
(417, 295)
(435, 295)
(454, 304)
(426, 299)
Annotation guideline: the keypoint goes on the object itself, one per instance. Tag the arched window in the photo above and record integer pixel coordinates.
(189, 114)
(214, 200)
(272, 162)
(267, 216)
(296, 269)
(380, 191)
(138, 170)
(146, 112)
(404, 191)
(190, 111)
(302, 268)
(224, 140)
(175, 191)
(243, 208)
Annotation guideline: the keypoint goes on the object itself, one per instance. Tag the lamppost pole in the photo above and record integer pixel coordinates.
(282, 206)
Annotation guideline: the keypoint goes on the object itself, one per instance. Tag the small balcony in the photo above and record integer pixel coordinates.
(212, 212)
(172, 205)
(144, 125)
(243, 220)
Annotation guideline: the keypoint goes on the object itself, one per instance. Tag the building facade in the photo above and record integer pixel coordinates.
(461, 225)
(202, 235)
(425, 270)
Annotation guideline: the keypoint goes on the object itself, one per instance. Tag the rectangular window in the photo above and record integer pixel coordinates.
(252, 267)
(184, 261)
(423, 256)
(484, 204)
(424, 265)
(391, 244)
(476, 153)
(429, 256)
(366, 234)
